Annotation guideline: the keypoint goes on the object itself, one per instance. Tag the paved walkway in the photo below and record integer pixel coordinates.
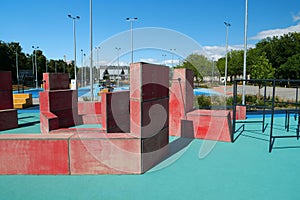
(284, 93)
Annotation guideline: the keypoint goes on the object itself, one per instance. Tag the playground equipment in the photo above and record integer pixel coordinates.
(269, 104)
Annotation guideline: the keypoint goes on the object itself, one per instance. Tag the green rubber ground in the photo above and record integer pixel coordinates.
(241, 170)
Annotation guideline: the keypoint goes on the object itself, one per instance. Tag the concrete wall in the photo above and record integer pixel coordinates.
(8, 115)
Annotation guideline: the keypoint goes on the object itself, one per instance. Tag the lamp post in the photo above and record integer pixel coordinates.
(226, 57)
(17, 66)
(172, 50)
(81, 83)
(164, 55)
(84, 78)
(212, 70)
(35, 63)
(91, 49)
(97, 60)
(118, 54)
(245, 51)
(74, 32)
(131, 20)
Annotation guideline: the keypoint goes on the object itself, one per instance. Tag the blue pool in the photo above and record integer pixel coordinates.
(86, 91)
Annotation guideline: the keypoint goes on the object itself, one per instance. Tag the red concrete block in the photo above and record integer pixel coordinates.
(135, 118)
(49, 122)
(155, 149)
(155, 116)
(5, 81)
(187, 129)
(62, 99)
(56, 81)
(211, 124)
(240, 112)
(66, 118)
(155, 81)
(91, 119)
(44, 101)
(103, 156)
(115, 107)
(89, 107)
(181, 98)
(135, 81)
(6, 99)
(34, 156)
(8, 119)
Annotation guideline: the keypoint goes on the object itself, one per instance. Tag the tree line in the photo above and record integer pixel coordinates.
(11, 56)
(271, 58)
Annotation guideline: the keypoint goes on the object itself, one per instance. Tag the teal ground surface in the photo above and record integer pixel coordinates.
(202, 170)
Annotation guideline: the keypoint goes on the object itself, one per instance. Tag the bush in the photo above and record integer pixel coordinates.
(203, 101)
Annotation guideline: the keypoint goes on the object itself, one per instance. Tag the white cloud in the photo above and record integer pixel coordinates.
(276, 32)
(296, 17)
(217, 52)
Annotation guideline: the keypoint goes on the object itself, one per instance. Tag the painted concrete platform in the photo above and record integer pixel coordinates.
(240, 170)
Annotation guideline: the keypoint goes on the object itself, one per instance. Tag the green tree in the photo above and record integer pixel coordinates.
(199, 64)
(261, 68)
(290, 69)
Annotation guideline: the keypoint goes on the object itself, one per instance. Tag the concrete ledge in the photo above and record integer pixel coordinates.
(211, 124)
(8, 119)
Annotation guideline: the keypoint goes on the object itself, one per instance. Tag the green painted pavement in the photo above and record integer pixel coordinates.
(242, 170)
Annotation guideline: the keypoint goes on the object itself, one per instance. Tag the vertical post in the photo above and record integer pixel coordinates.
(271, 141)
(264, 109)
(226, 58)
(131, 34)
(234, 108)
(35, 63)
(245, 52)
(91, 48)
(17, 66)
(74, 32)
(75, 67)
(212, 70)
(81, 67)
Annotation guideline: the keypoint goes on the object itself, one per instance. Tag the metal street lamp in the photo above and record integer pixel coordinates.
(81, 68)
(118, 50)
(84, 78)
(131, 20)
(91, 49)
(17, 66)
(74, 31)
(36, 72)
(172, 50)
(97, 60)
(212, 70)
(164, 55)
(245, 52)
(226, 57)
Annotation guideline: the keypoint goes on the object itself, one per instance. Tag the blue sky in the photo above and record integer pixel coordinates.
(45, 24)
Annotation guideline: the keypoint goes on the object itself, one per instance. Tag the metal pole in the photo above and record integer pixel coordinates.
(164, 55)
(74, 31)
(226, 58)
(91, 48)
(36, 72)
(84, 69)
(172, 50)
(131, 34)
(245, 52)
(17, 66)
(212, 70)
(81, 67)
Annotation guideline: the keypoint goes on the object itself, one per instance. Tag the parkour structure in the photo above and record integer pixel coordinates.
(135, 131)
